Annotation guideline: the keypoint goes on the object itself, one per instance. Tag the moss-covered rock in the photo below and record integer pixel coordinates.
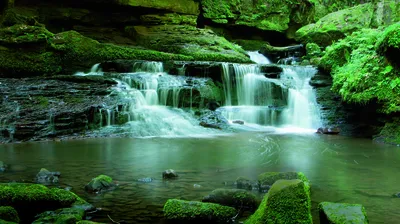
(251, 45)
(240, 199)
(389, 44)
(340, 213)
(31, 199)
(200, 44)
(8, 213)
(313, 50)
(61, 216)
(288, 201)
(100, 183)
(194, 211)
(181, 6)
(336, 25)
(168, 19)
(265, 14)
(266, 180)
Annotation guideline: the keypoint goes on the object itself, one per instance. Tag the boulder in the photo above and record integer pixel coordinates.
(214, 119)
(3, 166)
(238, 122)
(38, 199)
(194, 211)
(338, 213)
(8, 213)
(313, 50)
(45, 176)
(271, 71)
(336, 25)
(99, 184)
(237, 198)
(169, 174)
(266, 180)
(288, 201)
(329, 131)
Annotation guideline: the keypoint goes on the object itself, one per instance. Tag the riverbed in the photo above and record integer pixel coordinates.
(340, 169)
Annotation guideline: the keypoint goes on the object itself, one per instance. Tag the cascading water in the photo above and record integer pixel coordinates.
(153, 99)
(258, 58)
(255, 99)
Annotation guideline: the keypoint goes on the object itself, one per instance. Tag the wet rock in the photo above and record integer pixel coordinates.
(65, 215)
(238, 122)
(196, 185)
(214, 119)
(99, 184)
(194, 69)
(146, 180)
(278, 53)
(396, 195)
(237, 198)
(45, 176)
(3, 166)
(329, 131)
(288, 201)
(8, 213)
(338, 213)
(244, 183)
(199, 212)
(271, 71)
(213, 105)
(320, 81)
(169, 174)
(266, 180)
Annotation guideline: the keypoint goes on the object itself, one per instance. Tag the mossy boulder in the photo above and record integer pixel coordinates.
(250, 45)
(100, 183)
(8, 213)
(199, 44)
(194, 211)
(239, 199)
(168, 19)
(336, 25)
(389, 44)
(272, 15)
(313, 50)
(266, 180)
(65, 215)
(340, 213)
(32, 199)
(288, 201)
(181, 6)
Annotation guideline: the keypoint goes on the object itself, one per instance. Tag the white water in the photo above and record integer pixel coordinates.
(286, 102)
(149, 91)
(258, 58)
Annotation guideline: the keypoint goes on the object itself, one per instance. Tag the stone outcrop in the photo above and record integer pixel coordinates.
(100, 184)
(337, 213)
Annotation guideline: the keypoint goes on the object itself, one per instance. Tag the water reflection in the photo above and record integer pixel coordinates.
(340, 169)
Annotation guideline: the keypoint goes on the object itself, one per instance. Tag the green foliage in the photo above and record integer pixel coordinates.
(390, 133)
(181, 210)
(8, 213)
(389, 44)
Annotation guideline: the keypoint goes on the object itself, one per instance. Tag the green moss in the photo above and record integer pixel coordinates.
(313, 50)
(180, 210)
(265, 14)
(6, 222)
(61, 216)
(251, 45)
(389, 44)
(169, 19)
(8, 213)
(288, 201)
(269, 178)
(390, 133)
(240, 199)
(336, 25)
(181, 6)
(104, 178)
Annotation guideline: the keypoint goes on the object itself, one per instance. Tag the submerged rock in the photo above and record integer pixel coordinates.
(288, 201)
(99, 184)
(338, 213)
(266, 180)
(65, 215)
(45, 176)
(8, 213)
(239, 199)
(329, 131)
(146, 180)
(276, 54)
(244, 183)
(169, 174)
(194, 211)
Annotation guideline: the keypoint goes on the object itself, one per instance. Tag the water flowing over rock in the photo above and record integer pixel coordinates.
(169, 174)
(44, 176)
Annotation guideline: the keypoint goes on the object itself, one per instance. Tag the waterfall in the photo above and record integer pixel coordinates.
(285, 102)
(154, 97)
(258, 58)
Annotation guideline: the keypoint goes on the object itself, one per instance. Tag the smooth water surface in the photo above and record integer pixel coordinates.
(340, 169)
